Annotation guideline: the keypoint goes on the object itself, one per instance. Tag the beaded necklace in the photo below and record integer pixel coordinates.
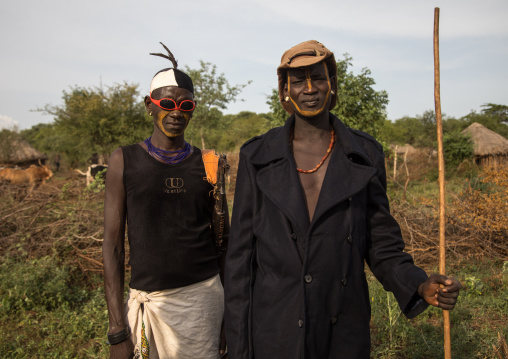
(330, 148)
(168, 157)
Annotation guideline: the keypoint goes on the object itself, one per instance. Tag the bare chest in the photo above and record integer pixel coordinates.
(311, 182)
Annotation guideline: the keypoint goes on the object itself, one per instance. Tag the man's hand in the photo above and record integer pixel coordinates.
(123, 350)
(222, 344)
(440, 291)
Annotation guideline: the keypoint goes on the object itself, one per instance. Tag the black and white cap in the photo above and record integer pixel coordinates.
(172, 77)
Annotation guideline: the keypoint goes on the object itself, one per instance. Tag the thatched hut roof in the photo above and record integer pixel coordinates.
(486, 142)
(20, 152)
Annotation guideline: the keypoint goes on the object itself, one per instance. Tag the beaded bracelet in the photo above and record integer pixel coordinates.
(119, 337)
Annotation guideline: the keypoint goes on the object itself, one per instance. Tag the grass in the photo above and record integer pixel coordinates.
(51, 295)
(48, 311)
(481, 313)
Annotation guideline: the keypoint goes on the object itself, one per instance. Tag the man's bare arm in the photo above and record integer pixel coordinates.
(113, 252)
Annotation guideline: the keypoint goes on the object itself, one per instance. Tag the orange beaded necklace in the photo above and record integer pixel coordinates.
(330, 148)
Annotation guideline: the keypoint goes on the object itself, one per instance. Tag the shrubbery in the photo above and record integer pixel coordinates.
(47, 310)
(38, 285)
(457, 148)
(480, 212)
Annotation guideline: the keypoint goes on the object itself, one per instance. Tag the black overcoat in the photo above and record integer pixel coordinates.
(296, 288)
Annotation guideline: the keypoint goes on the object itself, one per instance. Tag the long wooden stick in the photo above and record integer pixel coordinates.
(439, 123)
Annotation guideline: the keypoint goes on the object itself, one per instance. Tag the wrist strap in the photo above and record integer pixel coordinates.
(119, 337)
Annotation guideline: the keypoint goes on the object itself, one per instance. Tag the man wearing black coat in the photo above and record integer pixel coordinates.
(310, 207)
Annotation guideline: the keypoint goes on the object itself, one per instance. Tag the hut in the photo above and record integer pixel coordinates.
(490, 148)
(18, 152)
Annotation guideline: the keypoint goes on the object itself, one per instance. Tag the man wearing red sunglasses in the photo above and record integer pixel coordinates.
(177, 235)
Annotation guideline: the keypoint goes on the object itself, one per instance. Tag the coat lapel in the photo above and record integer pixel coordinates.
(278, 178)
(344, 178)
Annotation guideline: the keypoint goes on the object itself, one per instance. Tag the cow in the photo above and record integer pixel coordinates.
(33, 175)
(92, 172)
(6, 174)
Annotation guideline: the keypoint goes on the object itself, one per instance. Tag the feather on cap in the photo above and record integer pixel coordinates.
(171, 76)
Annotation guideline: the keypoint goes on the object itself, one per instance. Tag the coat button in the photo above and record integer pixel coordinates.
(344, 280)
(300, 323)
(334, 320)
(308, 278)
(293, 235)
(350, 239)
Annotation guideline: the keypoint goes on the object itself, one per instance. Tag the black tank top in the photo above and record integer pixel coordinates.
(169, 212)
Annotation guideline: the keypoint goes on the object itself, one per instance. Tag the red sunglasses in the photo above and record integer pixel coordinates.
(170, 104)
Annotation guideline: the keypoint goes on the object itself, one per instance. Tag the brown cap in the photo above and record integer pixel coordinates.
(305, 54)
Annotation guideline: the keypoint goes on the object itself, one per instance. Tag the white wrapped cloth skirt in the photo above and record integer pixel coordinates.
(180, 323)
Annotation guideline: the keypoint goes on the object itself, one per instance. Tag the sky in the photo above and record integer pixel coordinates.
(47, 47)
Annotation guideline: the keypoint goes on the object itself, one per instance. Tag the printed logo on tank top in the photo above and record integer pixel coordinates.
(174, 186)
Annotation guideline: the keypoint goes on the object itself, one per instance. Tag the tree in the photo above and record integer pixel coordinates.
(243, 126)
(7, 138)
(404, 130)
(419, 131)
(456, 147)
(232, 130)
(96, 120)
(453, 125)
(428, 135)
(212, 93)
(279, 115)
(499, 111)
(358, 105)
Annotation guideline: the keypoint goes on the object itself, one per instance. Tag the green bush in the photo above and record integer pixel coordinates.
(457, 148)
(39, 284)
(47, 311)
